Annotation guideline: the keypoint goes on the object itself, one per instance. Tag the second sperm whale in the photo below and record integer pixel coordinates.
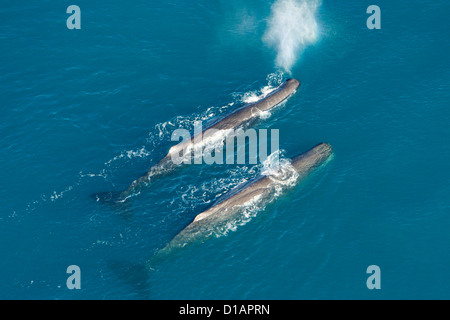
(259, 190)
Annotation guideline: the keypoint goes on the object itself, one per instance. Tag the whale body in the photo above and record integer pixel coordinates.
(226, 208)
(238, 118)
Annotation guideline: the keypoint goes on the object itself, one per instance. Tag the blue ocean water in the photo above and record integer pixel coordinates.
(90, 110)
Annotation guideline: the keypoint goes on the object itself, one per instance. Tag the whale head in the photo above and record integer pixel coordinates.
(313, 158)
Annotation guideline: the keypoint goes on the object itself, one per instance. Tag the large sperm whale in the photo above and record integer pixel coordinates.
(226, 207)
(238, 118)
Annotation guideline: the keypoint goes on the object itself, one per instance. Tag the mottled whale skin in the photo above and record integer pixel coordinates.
(238, 118)
(225, 207)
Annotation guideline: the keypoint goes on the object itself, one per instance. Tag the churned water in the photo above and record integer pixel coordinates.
(90, 110)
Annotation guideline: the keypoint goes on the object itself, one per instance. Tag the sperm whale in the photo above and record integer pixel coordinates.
(238, 118)
(225, 209)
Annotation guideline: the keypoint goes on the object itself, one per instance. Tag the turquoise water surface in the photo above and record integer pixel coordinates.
(90, 110)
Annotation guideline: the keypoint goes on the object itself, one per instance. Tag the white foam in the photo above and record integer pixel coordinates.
(283, 176)
(55, 196)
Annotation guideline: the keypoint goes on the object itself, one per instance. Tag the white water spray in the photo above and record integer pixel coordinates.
(291, 27)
